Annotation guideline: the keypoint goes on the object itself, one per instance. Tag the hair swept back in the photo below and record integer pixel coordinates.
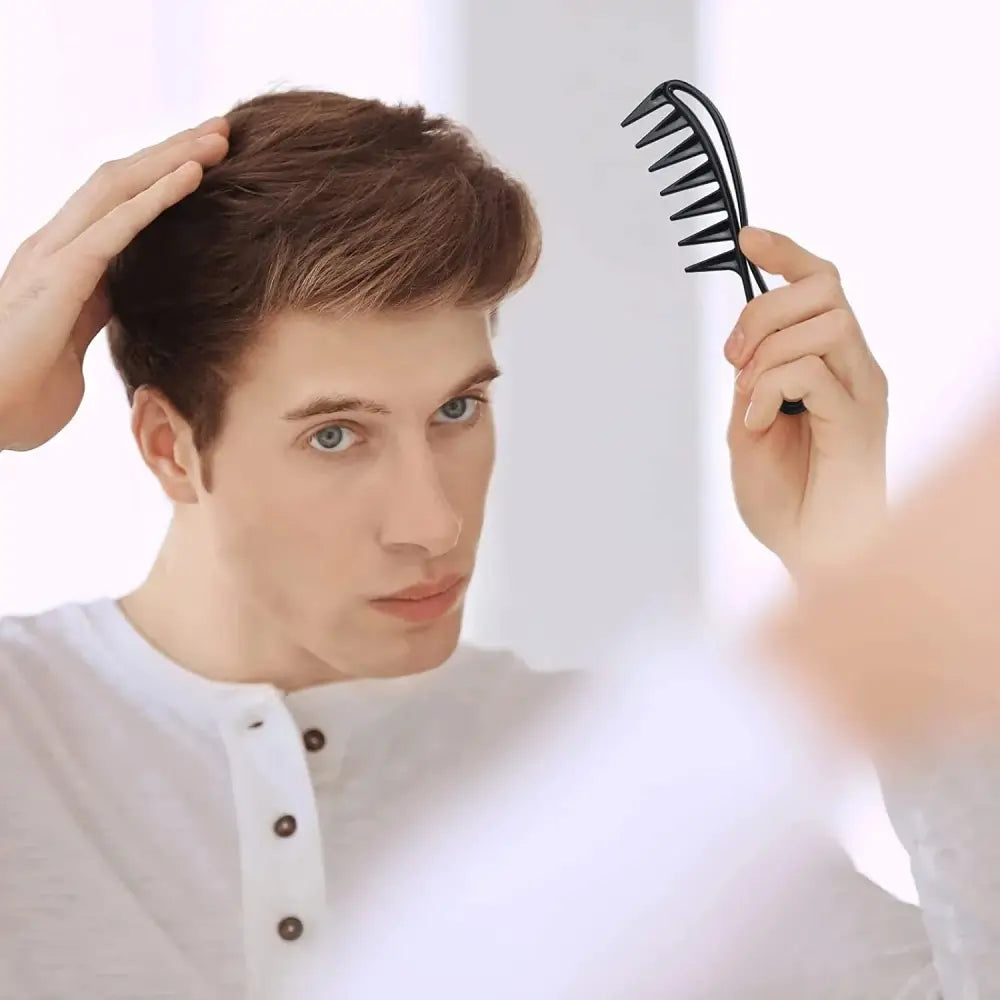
(324, 203)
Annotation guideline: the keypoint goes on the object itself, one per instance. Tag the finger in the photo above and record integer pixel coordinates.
(781, 308)
(48, 237)
(777, 254)
(219, 125)
(116, 182)
(808, 379)
(86, 258)
(834, 336)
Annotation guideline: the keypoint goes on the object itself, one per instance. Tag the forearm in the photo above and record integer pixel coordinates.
(907, 637)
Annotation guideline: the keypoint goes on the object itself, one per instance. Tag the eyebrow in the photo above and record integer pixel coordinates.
(327, 405)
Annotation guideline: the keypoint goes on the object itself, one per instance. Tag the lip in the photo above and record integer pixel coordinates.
(424, 602)
(420, 591)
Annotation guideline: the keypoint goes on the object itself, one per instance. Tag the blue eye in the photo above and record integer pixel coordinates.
(330, 439)
(461, 409)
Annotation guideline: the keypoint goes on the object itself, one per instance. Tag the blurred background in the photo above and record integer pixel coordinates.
(853, 122)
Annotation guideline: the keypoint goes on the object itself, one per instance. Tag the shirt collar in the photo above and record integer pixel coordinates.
(158, 683)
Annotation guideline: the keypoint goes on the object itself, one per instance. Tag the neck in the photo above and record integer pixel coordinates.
(188, 609)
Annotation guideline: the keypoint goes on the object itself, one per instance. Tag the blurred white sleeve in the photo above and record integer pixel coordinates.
(945, 808)
(662, 835)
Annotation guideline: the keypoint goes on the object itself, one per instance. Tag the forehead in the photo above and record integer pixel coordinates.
(382, 356)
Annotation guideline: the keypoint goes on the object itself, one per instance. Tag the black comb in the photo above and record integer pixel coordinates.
(724, 199)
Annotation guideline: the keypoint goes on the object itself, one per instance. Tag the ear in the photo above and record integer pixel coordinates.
(166, 444)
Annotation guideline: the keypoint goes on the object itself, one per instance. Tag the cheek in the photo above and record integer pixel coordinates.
(286, 552)
(468, 470)
(284, 518)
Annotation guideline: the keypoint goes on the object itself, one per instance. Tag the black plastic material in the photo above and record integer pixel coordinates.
(725, 199)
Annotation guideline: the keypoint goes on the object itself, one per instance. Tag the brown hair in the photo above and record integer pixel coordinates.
(324, 203)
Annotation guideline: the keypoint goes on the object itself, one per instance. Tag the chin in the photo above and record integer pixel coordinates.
(392, 649)
(423, 647)
(433, 644)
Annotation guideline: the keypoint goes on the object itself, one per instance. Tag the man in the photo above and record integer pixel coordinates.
(300, 298)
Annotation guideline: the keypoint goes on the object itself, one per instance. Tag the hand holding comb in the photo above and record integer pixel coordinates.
(729, 201)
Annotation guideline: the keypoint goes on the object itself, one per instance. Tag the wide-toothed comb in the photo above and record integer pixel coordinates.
(725, 199)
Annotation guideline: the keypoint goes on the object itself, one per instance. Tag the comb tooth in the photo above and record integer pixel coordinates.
(691, 146)
(722, 262)
(714, 201)
(674, 122)
(715, 233)
(657, 98)
(705, 174)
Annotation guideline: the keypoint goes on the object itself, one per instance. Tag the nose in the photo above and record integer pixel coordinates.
(418, 515)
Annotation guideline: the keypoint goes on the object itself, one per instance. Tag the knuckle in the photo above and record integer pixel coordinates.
(105, 175)
(28, 245)
(831, 272)
(829, 287)
(109, 168)
(813, 366)
(842, 322)
(25, 259)
(26, 250)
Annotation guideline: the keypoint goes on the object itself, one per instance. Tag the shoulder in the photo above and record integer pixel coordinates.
(483, 689)
(498, 669)
(41, 656)
(31, 639)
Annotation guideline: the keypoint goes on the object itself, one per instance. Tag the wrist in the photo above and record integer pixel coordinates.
(845, 536)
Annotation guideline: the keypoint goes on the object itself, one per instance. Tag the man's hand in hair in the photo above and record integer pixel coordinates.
(53, 295)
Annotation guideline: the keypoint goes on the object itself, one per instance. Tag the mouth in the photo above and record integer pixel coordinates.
(423, 602)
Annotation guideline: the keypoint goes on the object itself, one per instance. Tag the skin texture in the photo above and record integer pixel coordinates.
(310, 519)
(269, 575)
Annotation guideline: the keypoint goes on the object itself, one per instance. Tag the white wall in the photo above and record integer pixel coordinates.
(596, 508)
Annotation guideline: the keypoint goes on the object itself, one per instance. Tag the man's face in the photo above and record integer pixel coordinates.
(354, 462)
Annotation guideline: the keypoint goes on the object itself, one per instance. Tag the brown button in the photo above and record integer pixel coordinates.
(314, 740)
(290, 929)
(285, 826)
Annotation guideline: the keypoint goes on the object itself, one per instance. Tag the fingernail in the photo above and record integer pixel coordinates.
(210, 123)
(743, 375)
(734, 345)
(746, 416)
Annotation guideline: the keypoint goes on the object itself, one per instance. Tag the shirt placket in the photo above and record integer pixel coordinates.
(281, 855)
